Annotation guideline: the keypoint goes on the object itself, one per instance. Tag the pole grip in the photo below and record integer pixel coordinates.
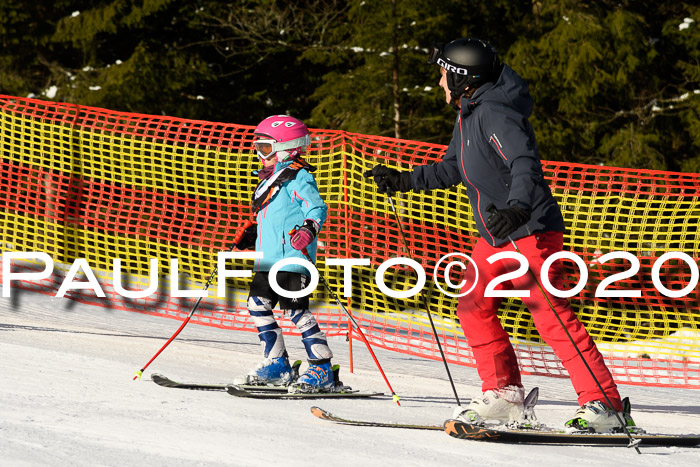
(292, 233)
(241, 231)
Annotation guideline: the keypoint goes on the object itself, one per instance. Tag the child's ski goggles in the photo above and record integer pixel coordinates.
(266, 148)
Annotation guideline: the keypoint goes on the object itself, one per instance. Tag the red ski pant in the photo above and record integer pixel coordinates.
(495, 358)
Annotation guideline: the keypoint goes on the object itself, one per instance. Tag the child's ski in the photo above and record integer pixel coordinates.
(166, 382)
(239, 391)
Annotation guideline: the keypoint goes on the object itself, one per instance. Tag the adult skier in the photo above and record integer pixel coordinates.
(285, 198)
(494, 153)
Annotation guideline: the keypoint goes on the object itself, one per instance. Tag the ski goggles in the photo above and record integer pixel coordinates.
(266, 148)
(437, 58)
(436, 53)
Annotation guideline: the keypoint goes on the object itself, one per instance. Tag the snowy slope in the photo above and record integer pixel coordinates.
(67, 398)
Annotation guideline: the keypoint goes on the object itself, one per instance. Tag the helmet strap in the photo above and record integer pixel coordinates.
(457, 84)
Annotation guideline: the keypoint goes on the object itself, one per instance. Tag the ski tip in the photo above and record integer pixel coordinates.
(450, 428)
(461, 430)
(161, 380)
(236, 390)
(319, 412)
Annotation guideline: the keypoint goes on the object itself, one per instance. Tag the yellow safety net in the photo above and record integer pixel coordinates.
(81, 182)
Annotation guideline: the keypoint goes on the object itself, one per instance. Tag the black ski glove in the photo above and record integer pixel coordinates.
(390, 180)
(250, 235)
(503, 222)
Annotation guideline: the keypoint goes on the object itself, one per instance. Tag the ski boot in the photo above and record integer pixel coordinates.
(503, 405)
(317, 378)
(597, 417)
(271, 371)
(507, 406)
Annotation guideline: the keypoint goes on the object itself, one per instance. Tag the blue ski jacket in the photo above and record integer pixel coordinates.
(494, 153)
(298, 199)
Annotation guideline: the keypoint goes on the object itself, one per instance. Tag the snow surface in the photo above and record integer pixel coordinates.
(67, 398)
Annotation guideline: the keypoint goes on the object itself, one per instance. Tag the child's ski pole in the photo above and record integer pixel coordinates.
(237, 239)
(394, 396)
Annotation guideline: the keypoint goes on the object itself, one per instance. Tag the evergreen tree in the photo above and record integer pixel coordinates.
(382, 84)
(136, 56)
(604, 78)
(260, 45)
(28, 54)
(616, 83)
(679, 109)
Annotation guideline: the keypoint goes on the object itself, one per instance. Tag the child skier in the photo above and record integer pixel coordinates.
(286, 197)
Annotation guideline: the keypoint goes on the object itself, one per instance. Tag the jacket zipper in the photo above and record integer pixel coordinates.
(464, 171)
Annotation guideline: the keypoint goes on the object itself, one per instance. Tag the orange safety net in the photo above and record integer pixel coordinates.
(81, 182)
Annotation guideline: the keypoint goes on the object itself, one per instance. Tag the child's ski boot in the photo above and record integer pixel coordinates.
(317, 378)
(271, 371)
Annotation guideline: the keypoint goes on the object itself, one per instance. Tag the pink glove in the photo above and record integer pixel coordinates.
(304, 235)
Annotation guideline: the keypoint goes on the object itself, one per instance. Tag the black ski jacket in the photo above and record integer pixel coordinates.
(494, 153)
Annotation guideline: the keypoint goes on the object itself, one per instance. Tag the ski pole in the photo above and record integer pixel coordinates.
(236, 239)
(425, 303)
(633, 442)
(394, 396)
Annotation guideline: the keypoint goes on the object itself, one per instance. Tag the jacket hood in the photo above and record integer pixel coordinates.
(510, 90)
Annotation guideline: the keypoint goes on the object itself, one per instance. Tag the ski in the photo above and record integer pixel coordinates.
(462, 430)
(325, 415)
(166, 382)
(254, 394)
(530, 402)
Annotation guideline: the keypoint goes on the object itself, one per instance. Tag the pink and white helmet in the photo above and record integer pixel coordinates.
(283, 136)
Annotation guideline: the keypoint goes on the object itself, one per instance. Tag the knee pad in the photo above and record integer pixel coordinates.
(259, 304)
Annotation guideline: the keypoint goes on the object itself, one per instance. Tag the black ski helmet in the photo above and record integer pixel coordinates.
(469, 63)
